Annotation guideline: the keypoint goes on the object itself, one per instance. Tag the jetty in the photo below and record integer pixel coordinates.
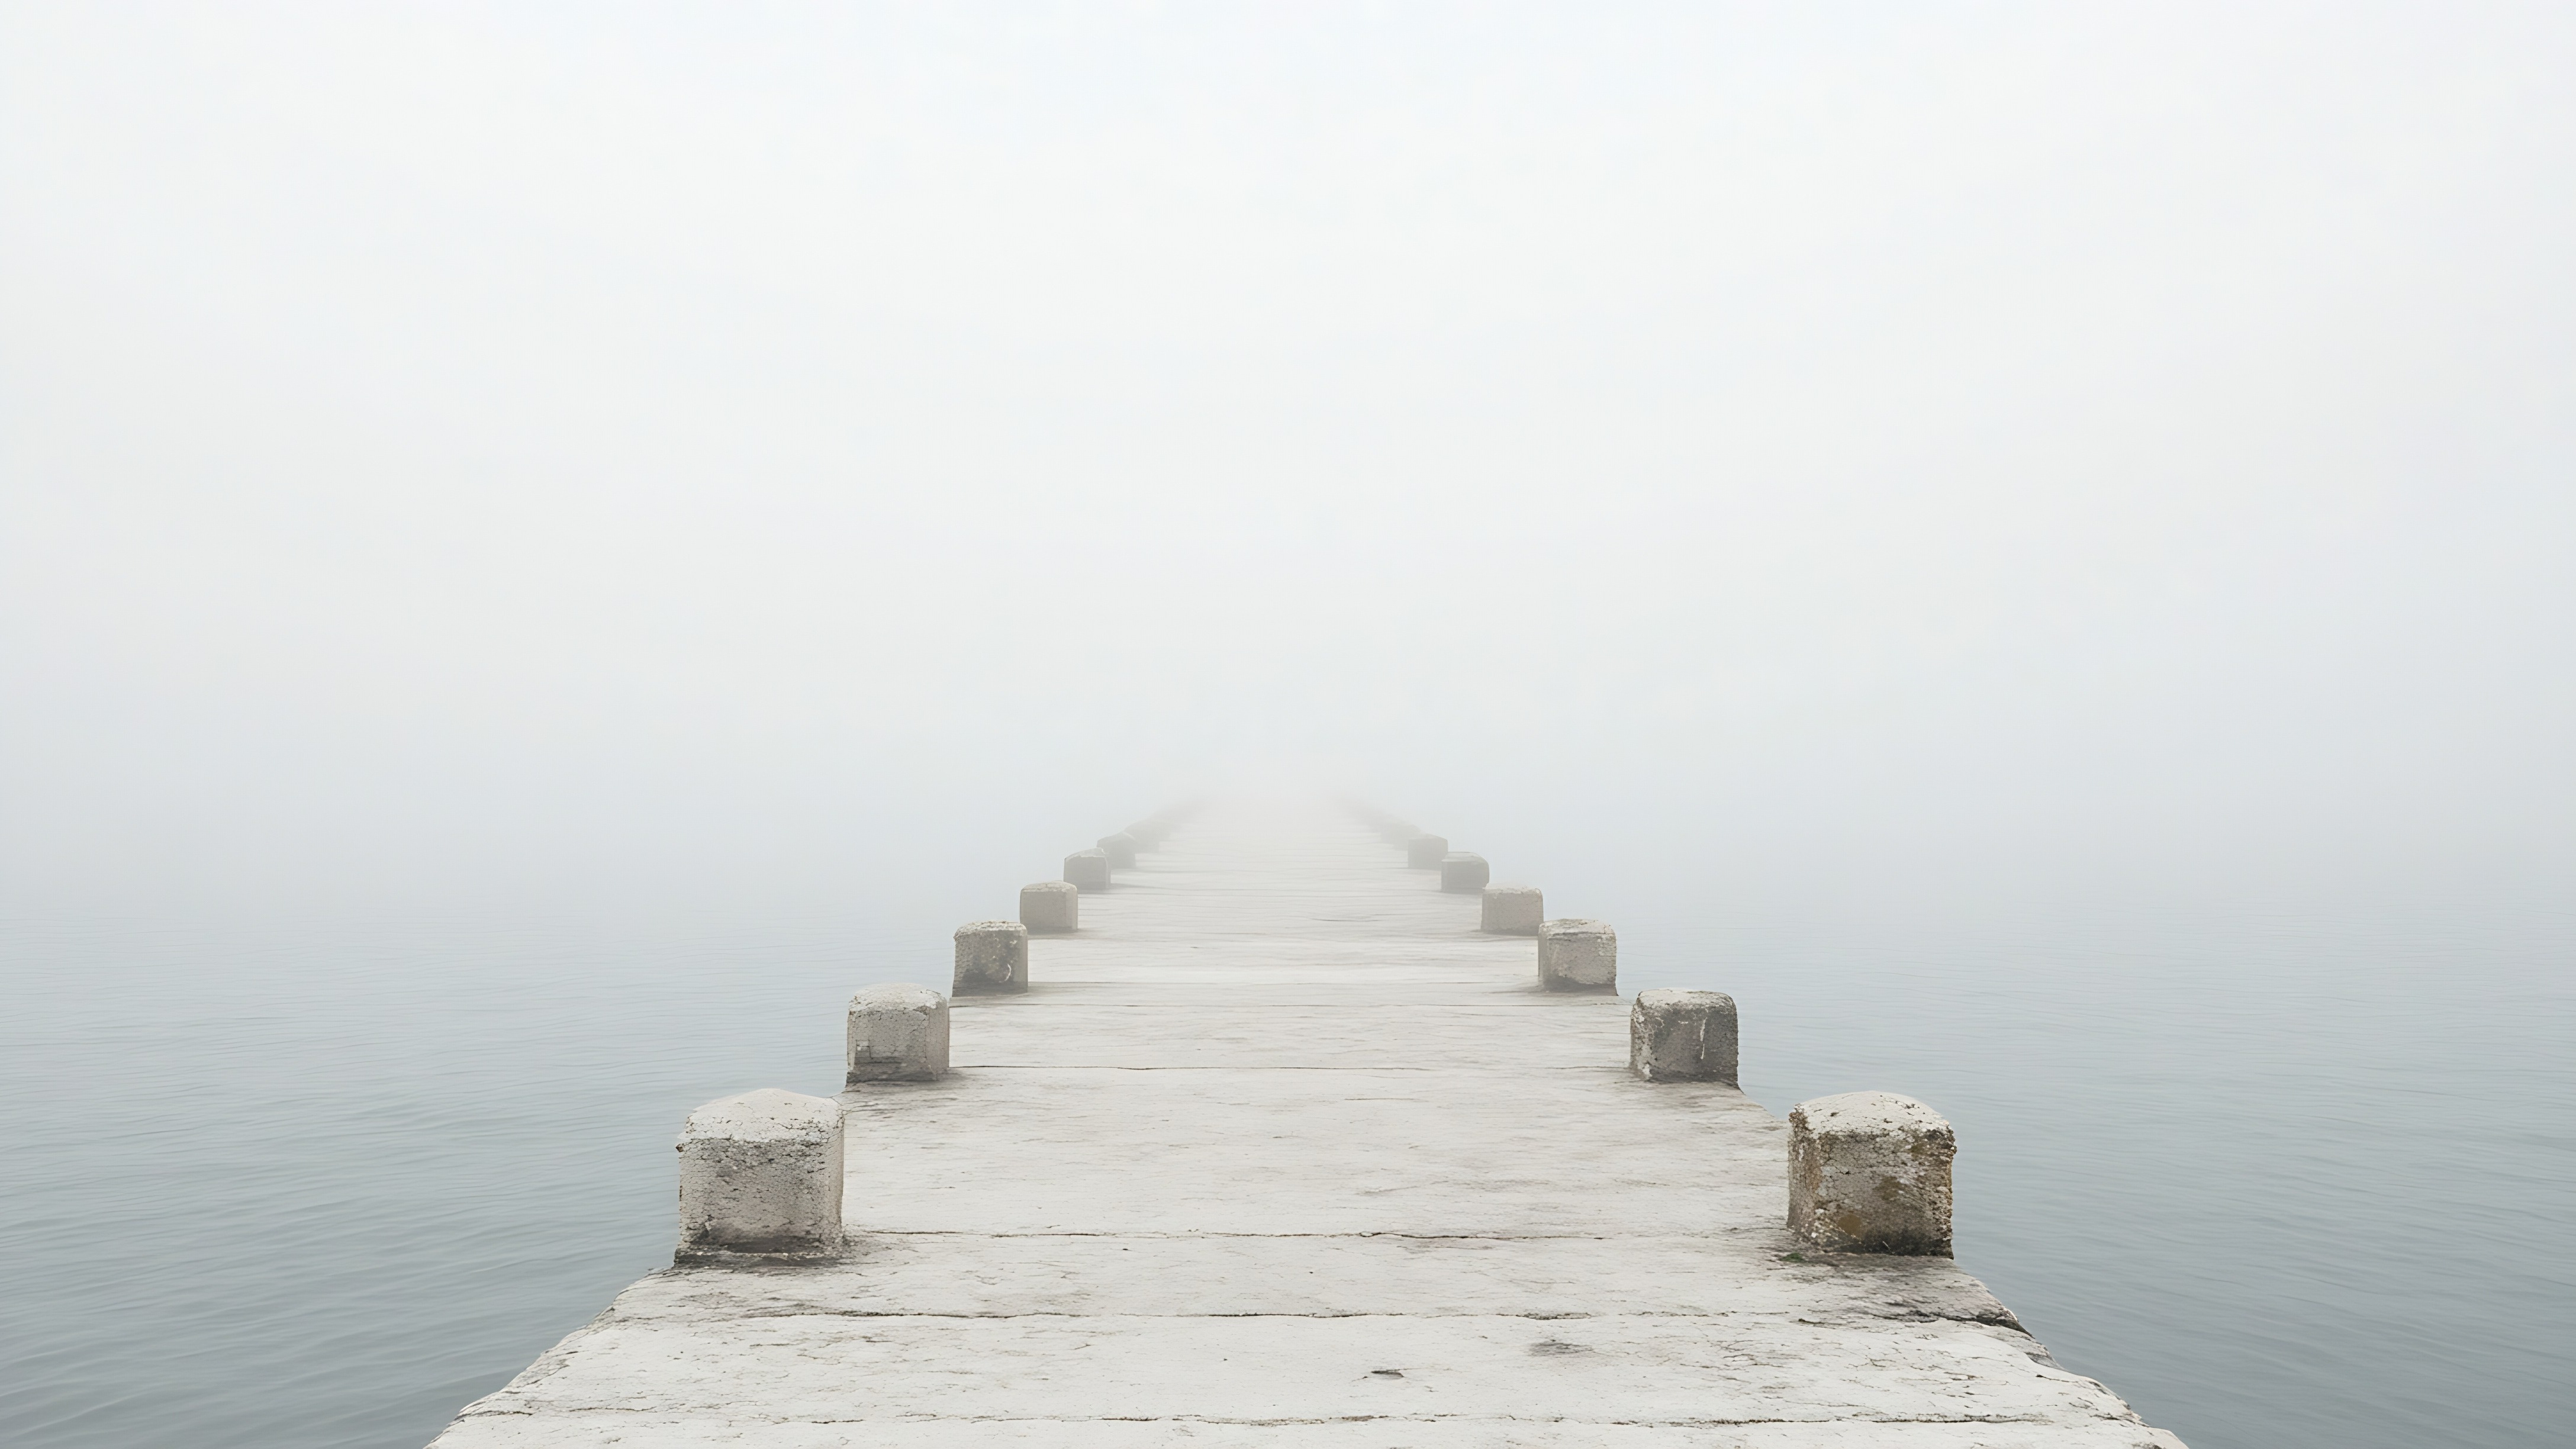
(1285, 1125)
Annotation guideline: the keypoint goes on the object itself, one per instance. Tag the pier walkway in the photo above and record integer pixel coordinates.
(1279, 1150)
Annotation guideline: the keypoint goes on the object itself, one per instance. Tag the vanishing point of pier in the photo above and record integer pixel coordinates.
(1247, 1133)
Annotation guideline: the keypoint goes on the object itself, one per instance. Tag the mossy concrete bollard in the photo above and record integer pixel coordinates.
(761, 1173)
(1464, 873)
(1869, 1172)
(1051, 905)
(1511, 911)
(1121, 850)
(897, 1034)
(1576, 955)
(1682, 1036)
(992, 956)
(1088, 870)
(1424, 852)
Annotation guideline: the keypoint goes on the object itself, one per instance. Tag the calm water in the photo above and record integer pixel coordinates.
(2280, 1184)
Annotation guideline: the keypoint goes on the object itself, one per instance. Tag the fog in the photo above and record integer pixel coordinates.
(542, 544)
(1829, 458)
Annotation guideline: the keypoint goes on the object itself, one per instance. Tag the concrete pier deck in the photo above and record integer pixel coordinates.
(1279, 1150)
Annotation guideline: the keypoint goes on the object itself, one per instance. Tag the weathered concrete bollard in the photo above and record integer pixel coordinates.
(897, 1034)
(1512, 911)
(1147, 834)
(1121, 850)
(1423, 852)
(1682, 1036)
(1088, 869)
(1464, 873)
(761, 1173)
(992, 956)
(1051, 905)
(1397, 832)
(1575, 955)
(1869, 1172)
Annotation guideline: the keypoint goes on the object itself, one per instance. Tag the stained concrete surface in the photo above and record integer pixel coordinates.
(1280, 1149)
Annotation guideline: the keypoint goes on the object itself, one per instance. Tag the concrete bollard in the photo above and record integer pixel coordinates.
(1511, 911)
(761, 1173)
(1088, 869)
(1423, 852)
(1464, 873)
(897, 1034)
(1397, 832)
(1869, 1172)
(1578, 956)
(1121, 850)
(992, 956)
(1147, 834)
(1682, 1036)
(1051, 905)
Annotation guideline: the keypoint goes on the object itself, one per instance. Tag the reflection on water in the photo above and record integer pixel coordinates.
(2279, 1187)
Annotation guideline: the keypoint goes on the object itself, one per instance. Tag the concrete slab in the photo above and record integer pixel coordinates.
(1282, 1150)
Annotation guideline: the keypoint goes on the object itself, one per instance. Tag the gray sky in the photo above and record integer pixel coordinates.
(1982, 451)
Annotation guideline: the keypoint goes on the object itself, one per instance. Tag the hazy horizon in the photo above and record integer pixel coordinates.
(540, 544)
(472, 453)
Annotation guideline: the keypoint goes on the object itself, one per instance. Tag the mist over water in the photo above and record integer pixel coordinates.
(323, 1182)
(542, 545)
